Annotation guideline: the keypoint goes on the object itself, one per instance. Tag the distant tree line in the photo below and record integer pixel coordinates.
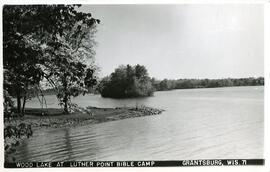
(167, 84)
(127, 81)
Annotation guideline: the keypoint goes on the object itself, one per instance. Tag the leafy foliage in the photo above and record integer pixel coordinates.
(48, 42)
(18, 131)
(8, 105)
(13, 135)
(127, 81)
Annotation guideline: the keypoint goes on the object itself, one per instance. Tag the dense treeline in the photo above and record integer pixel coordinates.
(205, 83)
(133, 81)
(127, 81)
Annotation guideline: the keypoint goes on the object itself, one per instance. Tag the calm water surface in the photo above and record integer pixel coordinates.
(197, 124)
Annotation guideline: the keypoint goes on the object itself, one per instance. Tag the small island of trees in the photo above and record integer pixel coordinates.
(127, 81)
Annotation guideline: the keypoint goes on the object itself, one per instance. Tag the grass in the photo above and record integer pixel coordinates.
(54, 117)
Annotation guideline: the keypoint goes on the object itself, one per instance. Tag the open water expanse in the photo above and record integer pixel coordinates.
(197, 124)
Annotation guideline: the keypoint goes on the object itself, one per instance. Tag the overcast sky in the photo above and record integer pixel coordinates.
(181, 41)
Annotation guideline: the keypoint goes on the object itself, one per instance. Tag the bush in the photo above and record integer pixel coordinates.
(13, 132)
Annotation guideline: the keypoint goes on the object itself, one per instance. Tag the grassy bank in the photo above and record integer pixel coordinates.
(54, 118)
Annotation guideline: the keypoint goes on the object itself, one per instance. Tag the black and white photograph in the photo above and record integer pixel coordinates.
(133, 85)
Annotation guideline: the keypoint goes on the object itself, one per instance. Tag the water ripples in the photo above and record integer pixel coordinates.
(214, 123)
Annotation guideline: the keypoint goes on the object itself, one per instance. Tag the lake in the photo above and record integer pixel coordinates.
(210, 123)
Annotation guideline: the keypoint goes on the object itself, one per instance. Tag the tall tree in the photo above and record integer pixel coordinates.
(48, 42)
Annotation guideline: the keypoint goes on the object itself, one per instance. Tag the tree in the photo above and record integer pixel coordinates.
(49, 42)
(71, 72)
(20, 54)
(127, 81)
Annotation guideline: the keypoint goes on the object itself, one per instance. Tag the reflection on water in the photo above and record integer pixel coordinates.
(197, 123)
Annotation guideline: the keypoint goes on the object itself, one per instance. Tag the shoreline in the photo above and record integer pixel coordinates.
(54, 118)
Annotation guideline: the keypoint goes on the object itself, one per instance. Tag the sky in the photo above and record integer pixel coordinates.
(181, 41)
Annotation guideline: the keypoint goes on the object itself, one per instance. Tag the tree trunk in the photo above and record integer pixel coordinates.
(65, 99)
(19, 104)
(23, 107)
(65, 104)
